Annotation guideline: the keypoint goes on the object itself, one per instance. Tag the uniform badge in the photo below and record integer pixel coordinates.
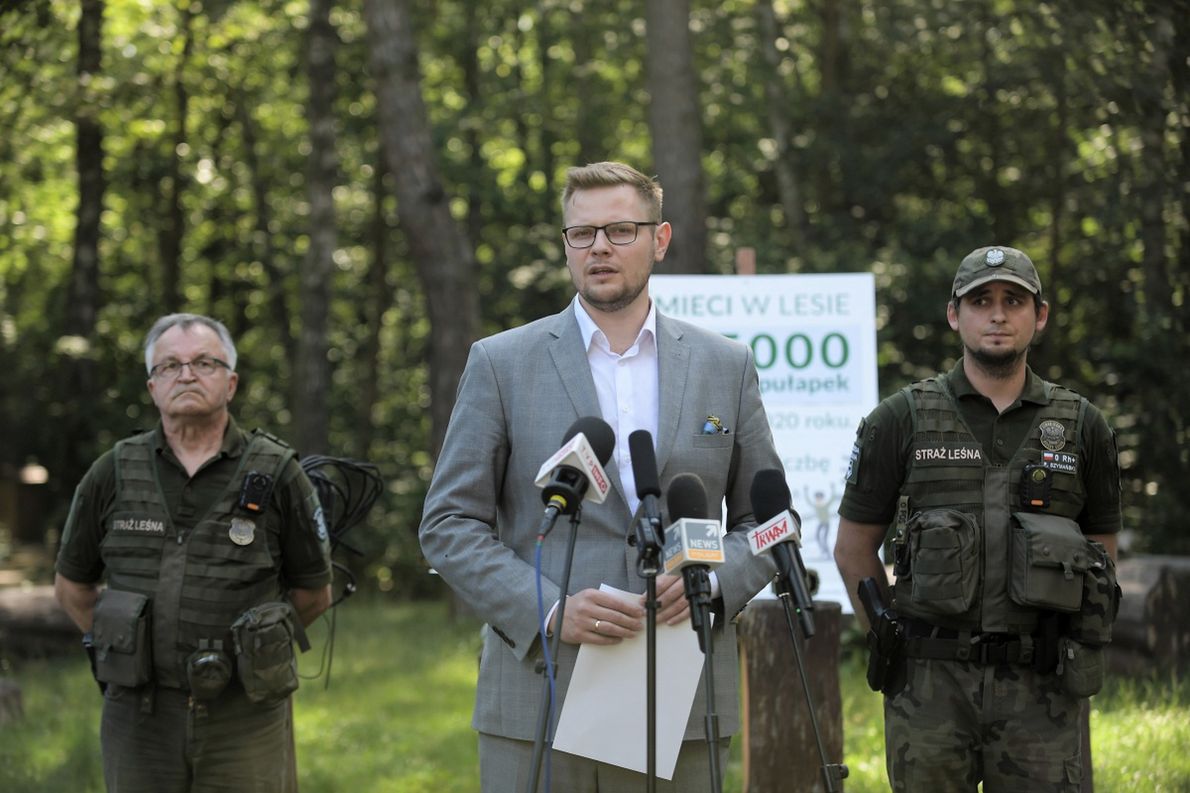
(1053, 435)
(242, 531)
(995, 257)
(320, 524)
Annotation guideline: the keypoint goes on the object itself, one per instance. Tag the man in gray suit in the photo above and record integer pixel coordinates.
(608, 354)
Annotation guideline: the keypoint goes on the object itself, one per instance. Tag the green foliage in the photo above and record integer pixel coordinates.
(919, 131)
(397, 716)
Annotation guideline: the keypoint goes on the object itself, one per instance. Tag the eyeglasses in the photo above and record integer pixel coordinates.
(202, 367)
(622, 232)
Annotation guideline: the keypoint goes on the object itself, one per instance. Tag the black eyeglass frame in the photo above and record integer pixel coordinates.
(159, 371)
(636, 224)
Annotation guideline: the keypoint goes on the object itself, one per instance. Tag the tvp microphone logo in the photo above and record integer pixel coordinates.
(577, 453)
(779, 528)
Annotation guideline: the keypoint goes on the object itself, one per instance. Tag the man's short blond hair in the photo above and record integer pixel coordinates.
(614, 174)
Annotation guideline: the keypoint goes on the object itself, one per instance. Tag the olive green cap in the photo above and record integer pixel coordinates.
(995, 263)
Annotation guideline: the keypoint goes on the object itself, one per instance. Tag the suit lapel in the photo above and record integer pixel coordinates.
(574, 371)
(673, 363)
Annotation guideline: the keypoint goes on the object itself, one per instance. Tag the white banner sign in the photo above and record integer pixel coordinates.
(814, 340)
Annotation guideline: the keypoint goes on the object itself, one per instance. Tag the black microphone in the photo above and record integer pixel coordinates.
(779, 531)
(648, 486)
(568, 476)
(692, 545)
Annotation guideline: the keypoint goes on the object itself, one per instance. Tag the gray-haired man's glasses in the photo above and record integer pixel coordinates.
(622, 232)
(202, 367)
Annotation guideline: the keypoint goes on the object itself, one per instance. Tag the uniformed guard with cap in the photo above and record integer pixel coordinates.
(216, 555)
(1002, 494)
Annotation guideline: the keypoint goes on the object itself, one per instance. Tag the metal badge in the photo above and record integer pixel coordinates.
(242, 531)
(995, 257)
(1053, 435)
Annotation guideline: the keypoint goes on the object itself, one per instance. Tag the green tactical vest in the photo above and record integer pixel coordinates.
(201, 581)
(949, 470)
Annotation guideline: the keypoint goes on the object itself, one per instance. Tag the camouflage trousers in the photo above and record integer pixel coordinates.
(957, 722)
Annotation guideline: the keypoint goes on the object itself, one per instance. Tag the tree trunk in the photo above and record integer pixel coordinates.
(378, 299)
(779, 111)
(590, 145)
(676, 129)
(440, 249)
(170, 239)
(263, 236)
(312, 371)
(80, 376)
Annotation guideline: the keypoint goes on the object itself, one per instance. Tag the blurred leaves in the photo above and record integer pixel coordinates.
(919, 130)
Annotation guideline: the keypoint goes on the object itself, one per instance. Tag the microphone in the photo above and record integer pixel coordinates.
(575, 472)
(692, 545)
(648, 488)
(779, 533)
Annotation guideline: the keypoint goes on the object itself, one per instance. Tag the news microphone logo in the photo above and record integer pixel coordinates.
(577, 453)
(782, 527)
(693, 541)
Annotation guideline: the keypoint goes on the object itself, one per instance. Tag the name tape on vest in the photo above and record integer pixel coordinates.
(138, 525)
(948, 454)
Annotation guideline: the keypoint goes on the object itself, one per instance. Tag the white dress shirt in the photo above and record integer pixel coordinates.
(627, 386)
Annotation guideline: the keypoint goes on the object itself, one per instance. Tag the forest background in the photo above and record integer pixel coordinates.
(360, 189)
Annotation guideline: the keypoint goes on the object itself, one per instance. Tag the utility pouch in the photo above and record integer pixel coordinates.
(1049, 557)
(263, 637)
(943, 563)
(1080, 668)
(120, 636)
(1101, 600)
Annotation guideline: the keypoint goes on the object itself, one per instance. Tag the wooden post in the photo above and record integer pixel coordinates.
(780, 751)
(745, 261)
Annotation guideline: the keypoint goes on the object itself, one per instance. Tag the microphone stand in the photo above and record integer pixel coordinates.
(698, 590)
(833, 774)
(648, 564)
(545, 738)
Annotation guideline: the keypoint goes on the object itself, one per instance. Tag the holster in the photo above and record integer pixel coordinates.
(886, 668)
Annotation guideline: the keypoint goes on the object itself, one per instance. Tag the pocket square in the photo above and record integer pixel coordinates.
(714, 426)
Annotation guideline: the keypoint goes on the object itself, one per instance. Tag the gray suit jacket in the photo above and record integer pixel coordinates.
(520, 392)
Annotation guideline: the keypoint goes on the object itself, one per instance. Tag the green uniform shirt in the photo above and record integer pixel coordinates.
(303, 542)
(875, 481)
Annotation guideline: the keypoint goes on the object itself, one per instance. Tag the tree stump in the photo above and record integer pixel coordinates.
(780, 750)
(1152, 631)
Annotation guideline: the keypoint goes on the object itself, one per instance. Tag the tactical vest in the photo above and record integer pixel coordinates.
(951, 484)
(200, 581)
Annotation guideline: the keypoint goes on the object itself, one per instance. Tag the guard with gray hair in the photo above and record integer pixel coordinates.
(216, 556)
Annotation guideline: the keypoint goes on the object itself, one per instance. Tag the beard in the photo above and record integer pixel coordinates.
(626, 297)
(998, 365)
(617, 303)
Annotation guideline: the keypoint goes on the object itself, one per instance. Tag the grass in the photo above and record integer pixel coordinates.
(396, 718)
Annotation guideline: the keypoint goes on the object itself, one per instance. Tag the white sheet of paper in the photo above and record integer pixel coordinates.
(604, 716)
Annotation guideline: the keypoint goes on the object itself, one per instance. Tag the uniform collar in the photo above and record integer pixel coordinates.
(233, 440)
(1036, 390)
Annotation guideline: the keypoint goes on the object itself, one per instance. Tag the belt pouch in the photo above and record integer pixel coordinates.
(121, 636)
